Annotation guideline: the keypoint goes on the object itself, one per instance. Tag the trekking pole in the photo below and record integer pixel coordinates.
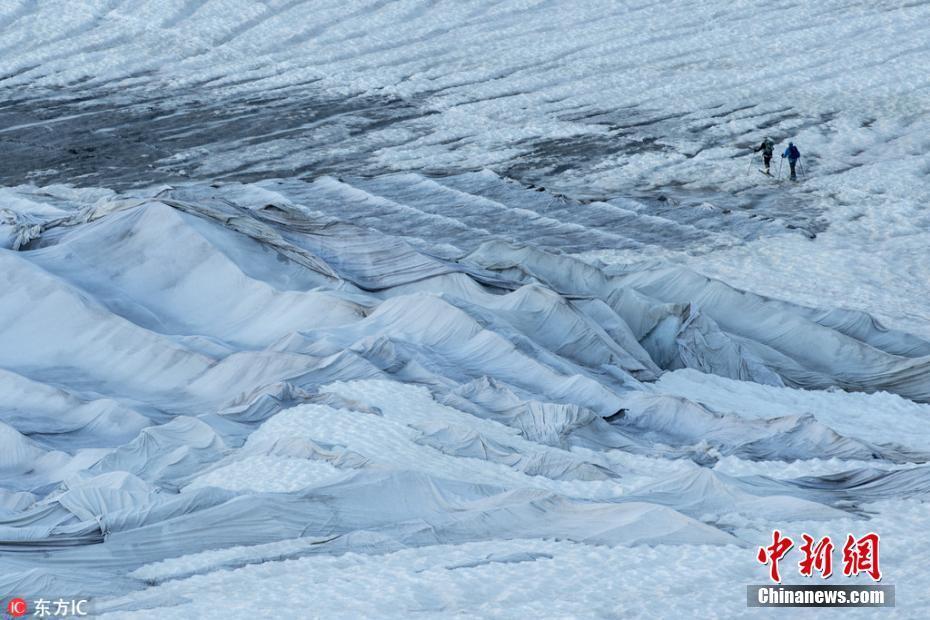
(780, 164)
(752, 158)
(801, 168)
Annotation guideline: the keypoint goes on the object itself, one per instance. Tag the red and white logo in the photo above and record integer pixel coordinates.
(860, 555)
(17, 607)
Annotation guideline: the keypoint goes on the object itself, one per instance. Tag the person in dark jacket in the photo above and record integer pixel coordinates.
(793, 155)
(767, 147)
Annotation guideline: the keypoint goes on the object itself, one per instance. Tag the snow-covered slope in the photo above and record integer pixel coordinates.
(457, 307)
(599, 94)
(600, 100)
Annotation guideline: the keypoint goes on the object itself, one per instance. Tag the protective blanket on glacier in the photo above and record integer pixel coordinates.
(156, 346)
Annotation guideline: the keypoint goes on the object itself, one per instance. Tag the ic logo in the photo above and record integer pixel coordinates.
(17, 607)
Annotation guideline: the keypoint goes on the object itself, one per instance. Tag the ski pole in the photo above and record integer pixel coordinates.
(752, 158)
(801, 168)
(780, 164)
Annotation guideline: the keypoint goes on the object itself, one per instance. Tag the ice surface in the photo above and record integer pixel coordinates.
(380, 309)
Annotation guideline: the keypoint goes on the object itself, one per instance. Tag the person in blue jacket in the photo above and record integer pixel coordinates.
(793, 155)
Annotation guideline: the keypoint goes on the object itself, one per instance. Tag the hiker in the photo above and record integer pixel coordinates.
(767, 147)
(793, 155)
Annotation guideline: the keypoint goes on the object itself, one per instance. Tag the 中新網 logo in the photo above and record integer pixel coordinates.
(860, 555)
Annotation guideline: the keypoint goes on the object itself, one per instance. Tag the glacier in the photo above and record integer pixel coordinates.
(380, 309)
